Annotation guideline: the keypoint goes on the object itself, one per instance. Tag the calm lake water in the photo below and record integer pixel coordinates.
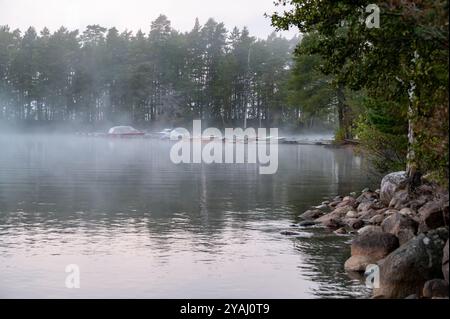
(139, 226)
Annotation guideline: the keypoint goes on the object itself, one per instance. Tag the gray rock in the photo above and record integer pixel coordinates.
(358, 263)
(370, 229)
(419, 202)
(390, 212)
(334, 219)
(376, 245)
(407, 211)
(382, 210)
(307, 223)
(351, 214)
(354, 223)
(400, 199)
(312, 214)
(289, 233)
(367, 215)
(401, 226)
(334, 203)
(368, 247)
(377, 204)
(425, 189)
(347, 201)
(404, 271)
(376, 220)
(433, 214)
(365, 206)
(340, 231)
(389, 185)
(435, 288)
(332, 222)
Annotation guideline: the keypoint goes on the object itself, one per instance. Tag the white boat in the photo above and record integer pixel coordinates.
(124, 131)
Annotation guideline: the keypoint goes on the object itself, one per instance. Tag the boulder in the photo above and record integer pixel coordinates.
(376, 220)
(419, 201)
(311, 214)
(354, 223)
(399, 199)
(351, 214)
(331, 222)
(334, 219)
(370, 229)
(367, 196)
(358, 263)
(425, 189)
(382, 210)
(390, 212)
(347, 201)
(404, 271)
(376, 245)
(364, 206)
(445, 262)
(340, 231)
(401, 226)
(433, 214)
(368, 247)
(334, 203)
(435, 288)
(389, 185)
(367, 215)
(376, 204)
(407, 211)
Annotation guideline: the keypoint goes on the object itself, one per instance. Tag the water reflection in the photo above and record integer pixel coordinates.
(140, 226)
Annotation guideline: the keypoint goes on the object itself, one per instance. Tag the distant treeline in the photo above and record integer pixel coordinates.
(103, 75)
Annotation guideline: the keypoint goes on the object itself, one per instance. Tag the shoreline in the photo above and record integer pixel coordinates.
(401, 234)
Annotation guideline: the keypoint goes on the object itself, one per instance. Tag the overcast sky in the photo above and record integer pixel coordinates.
(137, 14)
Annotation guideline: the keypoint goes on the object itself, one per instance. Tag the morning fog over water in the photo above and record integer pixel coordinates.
(138, 225)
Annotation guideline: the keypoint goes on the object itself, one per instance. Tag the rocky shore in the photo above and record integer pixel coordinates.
(405, 233)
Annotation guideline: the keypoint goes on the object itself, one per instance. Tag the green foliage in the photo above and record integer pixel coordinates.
(310, 91)
(403, 66)
(382, 129)
(339, 135)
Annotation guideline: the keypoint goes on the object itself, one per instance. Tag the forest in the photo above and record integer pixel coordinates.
(103, 75)
(391, 80)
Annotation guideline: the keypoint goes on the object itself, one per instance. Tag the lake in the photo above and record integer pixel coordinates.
(139, 226)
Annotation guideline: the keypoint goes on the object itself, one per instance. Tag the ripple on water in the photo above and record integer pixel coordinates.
(140, 226)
